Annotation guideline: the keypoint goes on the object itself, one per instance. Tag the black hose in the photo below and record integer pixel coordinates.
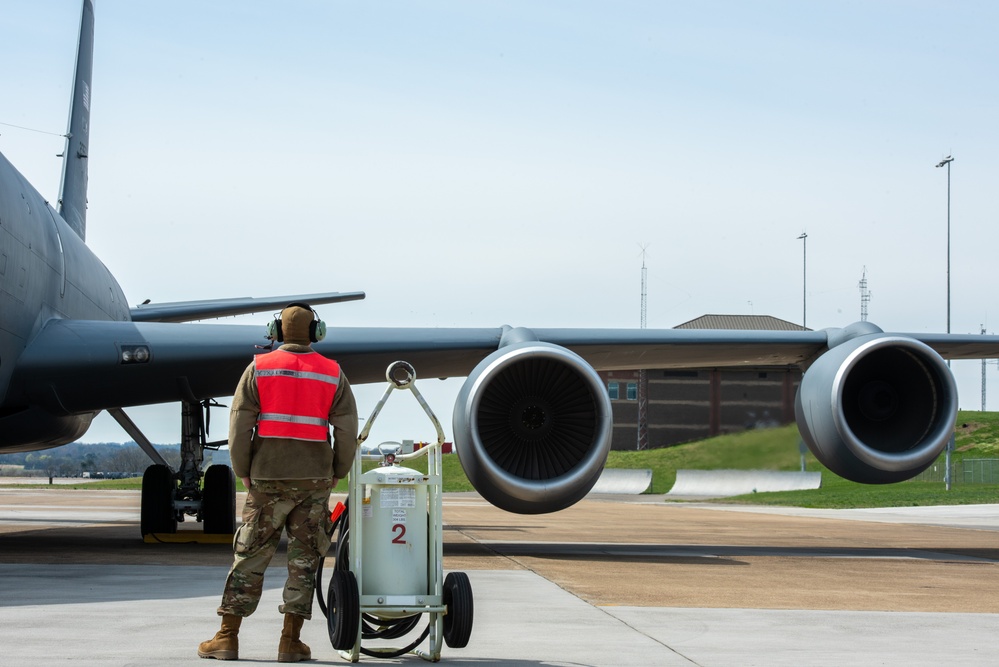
(395, 653)
(391, 628)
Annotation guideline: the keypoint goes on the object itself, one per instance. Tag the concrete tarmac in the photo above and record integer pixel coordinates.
(608, 582)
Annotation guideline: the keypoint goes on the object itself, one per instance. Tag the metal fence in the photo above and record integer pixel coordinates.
(968, 471)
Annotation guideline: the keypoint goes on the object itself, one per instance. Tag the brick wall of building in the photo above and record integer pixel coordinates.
(685, 405)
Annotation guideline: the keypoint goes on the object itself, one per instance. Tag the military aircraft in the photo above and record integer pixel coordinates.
(531, 423)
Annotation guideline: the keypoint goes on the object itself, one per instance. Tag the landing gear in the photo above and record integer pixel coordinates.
(158, 487)
(218, 500)
(168, 496)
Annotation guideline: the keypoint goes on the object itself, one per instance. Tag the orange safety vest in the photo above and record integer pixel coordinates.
(296, 392)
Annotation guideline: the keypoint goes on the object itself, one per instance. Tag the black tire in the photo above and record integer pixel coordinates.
(460, 610)
(218, 501)
(343, 616)
(156, 514)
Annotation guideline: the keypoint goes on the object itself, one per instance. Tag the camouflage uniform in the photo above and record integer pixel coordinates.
(290, 489)
(289, 475)
(301, 507)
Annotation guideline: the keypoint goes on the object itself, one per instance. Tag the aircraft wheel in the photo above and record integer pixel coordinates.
(157, 515)
(343, 616)
(458, 619)
(218, 500)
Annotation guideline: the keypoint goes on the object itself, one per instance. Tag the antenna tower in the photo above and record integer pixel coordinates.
(983, 375)
(865, 296)
(643, 377)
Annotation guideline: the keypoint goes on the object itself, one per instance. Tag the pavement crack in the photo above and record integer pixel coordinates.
(645, 634)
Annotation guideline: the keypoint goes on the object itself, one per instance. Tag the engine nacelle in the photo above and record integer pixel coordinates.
(877, 408)
(532, 426)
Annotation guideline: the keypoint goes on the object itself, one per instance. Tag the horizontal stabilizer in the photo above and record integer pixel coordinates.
(188, 311)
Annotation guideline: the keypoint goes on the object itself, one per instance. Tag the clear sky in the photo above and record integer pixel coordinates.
(489, 163)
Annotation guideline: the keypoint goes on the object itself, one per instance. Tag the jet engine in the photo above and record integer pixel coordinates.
(876, 408)
(532, 425)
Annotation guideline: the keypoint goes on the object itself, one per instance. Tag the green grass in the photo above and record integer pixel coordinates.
(130, 484)
(977, 436)
(838, 493)
(767, 449)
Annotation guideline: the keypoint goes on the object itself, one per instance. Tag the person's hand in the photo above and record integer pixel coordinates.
(246, 482)
(335, 482)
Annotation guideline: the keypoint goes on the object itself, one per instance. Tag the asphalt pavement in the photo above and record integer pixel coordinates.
(604, 583)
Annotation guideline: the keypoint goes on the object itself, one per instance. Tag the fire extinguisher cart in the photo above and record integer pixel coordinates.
(389, 555)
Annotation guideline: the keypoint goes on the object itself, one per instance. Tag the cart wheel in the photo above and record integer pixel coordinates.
(344, 610)
(458, 619)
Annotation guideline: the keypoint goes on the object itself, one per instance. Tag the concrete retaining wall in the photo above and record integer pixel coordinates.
(617, 480)
(721, 483)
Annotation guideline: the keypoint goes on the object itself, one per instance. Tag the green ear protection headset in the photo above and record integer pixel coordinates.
(317, 328)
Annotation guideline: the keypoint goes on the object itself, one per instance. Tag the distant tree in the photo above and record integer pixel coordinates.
(67, 467)
(127, 459)
(171, 454)
(55, 466)
(74, 458)
(13, 459)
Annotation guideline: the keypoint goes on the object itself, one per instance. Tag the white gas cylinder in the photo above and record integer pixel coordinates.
(394, 542)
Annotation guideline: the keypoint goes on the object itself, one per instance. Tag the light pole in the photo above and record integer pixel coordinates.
(950, 445)
(946, 161)
(804, 278)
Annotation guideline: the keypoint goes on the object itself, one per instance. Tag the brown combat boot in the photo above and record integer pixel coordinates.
(225, 644)
(291, 649)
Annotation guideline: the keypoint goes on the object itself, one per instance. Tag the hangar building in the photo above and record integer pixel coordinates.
(690, 404)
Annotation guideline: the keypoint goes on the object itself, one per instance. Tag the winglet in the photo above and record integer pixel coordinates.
(73, 190)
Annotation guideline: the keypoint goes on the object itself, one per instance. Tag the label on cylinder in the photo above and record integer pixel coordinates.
(397, 496)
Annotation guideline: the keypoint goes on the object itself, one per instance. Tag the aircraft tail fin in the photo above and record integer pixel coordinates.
(73, 191)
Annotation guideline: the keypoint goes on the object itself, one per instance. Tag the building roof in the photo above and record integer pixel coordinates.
(748, 322)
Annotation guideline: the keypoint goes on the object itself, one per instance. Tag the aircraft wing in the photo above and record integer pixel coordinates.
(74, 366)
(77, 366)
(187, 311)
(960, 346)
(533, 419)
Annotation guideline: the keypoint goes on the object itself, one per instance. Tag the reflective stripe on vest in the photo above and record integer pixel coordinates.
(291, 419)
(296, 392)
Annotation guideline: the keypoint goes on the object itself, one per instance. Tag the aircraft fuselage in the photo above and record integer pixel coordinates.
(46, 272)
